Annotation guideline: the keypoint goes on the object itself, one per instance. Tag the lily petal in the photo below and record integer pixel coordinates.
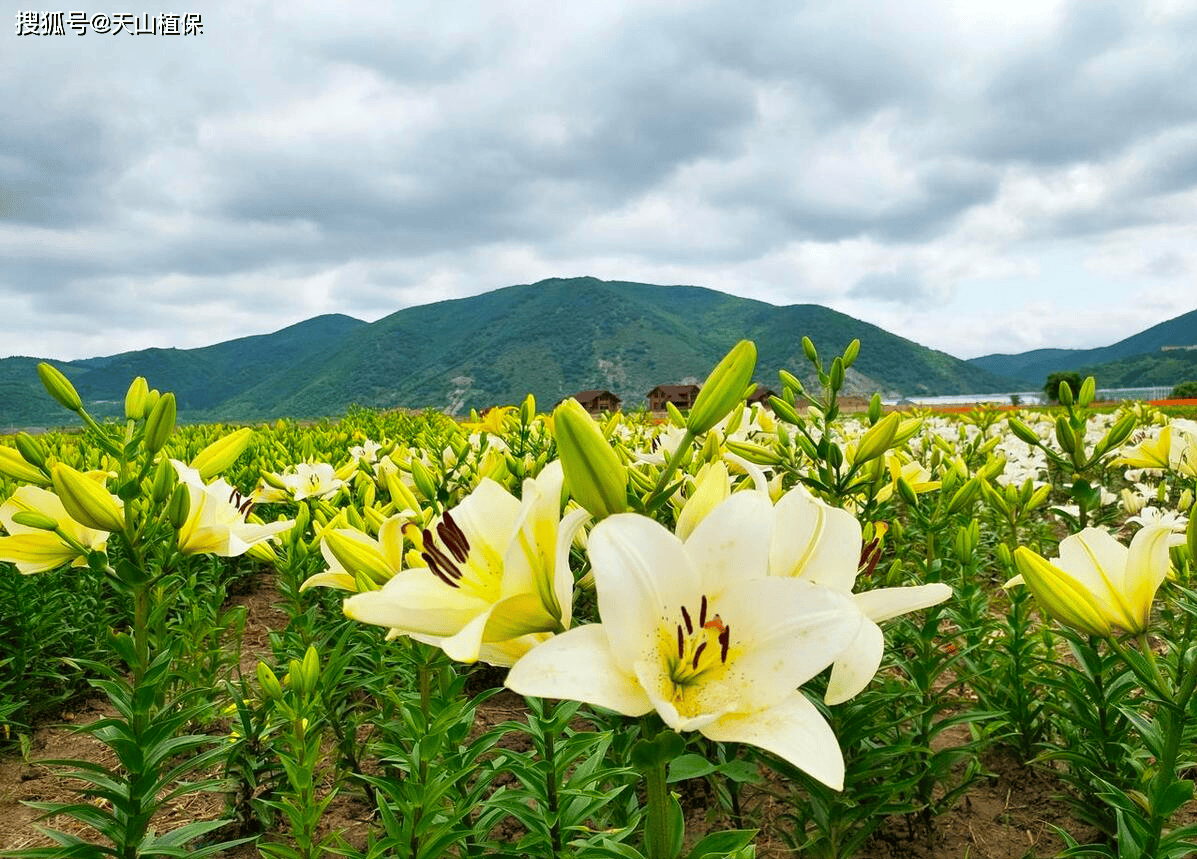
(814, 541)
(885, 603)
(418, 601)
(858, 664)
(794, 731)
(579, 665)
(732, 542)
(642, 574)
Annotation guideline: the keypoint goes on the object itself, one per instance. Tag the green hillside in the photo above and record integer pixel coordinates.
(557, 337)
(202, 379)
(1032, 368)
(551, 338)
(1141, 371)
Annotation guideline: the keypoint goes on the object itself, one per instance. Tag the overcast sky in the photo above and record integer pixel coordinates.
(978, 177)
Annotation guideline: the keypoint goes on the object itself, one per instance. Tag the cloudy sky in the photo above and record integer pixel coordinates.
(978, 177)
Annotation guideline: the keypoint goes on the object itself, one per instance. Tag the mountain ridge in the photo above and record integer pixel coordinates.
(1033, 367)
(551, 338)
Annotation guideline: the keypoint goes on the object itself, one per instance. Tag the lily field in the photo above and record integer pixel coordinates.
(740, 631)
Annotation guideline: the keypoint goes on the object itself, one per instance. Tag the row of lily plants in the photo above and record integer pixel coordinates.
(839, 619)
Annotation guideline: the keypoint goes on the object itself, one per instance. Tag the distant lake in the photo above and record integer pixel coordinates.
(1033, 398)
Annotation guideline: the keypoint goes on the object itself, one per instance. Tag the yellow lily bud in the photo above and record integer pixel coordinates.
(850, 353)
(724, 388)
(13, 465)
(1059, 594)
(164, 481)
(34, 519)
(357, 556)
(268, 682)
(1064, 392)
(399, 492)
(59, 387)
(135, 399)
(1023, 432)
(31, 449)
(1087, 393)
(754, 453)
(161, 423)
(86, 501)
(878, 439)
(423, 480)
(222, 453)
(311, 669)
(180, 506)
(593, 473)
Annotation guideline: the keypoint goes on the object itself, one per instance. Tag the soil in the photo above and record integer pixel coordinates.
(1008, 815)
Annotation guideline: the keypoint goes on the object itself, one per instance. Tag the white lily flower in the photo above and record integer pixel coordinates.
(216, 518)
(496, 579)
(304, 480)
(698, 632)
(822, 544)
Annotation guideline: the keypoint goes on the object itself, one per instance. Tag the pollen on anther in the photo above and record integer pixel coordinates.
(697, 653)
(689, 624)
(681, 642)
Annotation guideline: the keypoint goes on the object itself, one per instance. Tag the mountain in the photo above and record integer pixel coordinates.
(202, 379)
(1155, 369)
(1032, 368)
(551, 338)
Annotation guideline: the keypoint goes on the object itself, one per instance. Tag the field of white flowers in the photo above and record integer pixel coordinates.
(697, 612)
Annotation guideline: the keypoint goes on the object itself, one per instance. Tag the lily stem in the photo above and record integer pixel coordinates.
(656, 835)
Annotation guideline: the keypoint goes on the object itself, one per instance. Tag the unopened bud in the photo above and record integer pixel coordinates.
(13, 465)
(808, 349)
(1064, 394)
(594, 475)
(724, 388)
(163, 483)
(423, 480)
(86, 501)
(1023, 432)
(837, 374)
(964, 495)
(160, 424)
(878, 438)
(59, 387)
(33, 519)
(222, 453)
(1064, 436)
(135, 399)
(357, 555)
(180, 506)
(850, 353)
(31, 449)
(268, 682)
(1087, 393)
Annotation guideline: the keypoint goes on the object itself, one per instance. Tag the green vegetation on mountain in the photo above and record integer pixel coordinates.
(1140, 371)
(1031, 368)
(552, 339)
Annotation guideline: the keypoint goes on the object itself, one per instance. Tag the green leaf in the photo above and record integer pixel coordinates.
(688, 767)
(720, 844)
